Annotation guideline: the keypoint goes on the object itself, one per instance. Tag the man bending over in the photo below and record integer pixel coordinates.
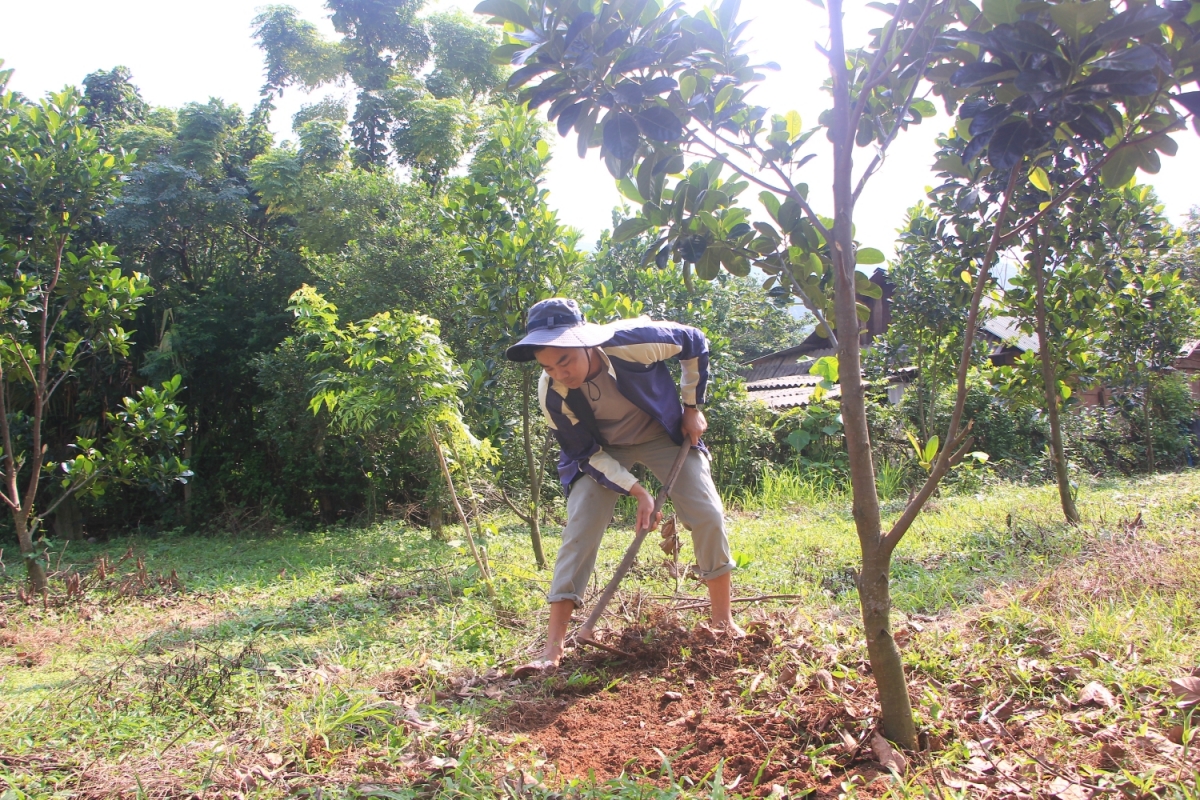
(611, 401)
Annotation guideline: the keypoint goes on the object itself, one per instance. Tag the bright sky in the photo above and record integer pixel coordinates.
(181, 52)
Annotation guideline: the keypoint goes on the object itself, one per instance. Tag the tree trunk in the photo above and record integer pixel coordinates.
(68, 519)
(1050, 387)
(436, 523)
(1149, 429)
(873, 591)
(35, 568)
(531, 464)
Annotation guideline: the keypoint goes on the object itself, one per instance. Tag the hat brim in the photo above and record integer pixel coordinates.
(588, 334)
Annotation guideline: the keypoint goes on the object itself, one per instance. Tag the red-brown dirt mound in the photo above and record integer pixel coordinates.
(688, 700)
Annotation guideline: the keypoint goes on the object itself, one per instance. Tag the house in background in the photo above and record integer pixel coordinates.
(782, 379)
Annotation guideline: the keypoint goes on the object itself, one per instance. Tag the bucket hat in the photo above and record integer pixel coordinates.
(557, 322)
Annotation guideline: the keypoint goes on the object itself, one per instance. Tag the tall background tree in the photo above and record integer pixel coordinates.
(64, 304)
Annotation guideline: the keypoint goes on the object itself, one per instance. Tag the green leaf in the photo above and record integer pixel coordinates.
(931, 447)
(687, 86)
(799, 439)
(627, 188)
(794, 125)
(1120, 167)
(1077, 19)
(723, 97)
(506, 10)
(1000, 12)
(630, 228)
(503, 55)
(1039, 178)
(869, 255)
(709, 265)
(925, 108)
(826, 367)
(770, 202)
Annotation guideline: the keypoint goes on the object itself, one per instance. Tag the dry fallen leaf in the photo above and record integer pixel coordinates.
(670, 697)
(980, 766)
(274, 759)
(787, 676)
(848, 742)
(1096, 694)
(1005, 709)
(1187, 690)
(1065, 790)
(1112, 754)
(824, 679)
(888, 756)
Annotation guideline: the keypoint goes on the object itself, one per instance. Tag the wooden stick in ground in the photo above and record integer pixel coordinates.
(585, 634)
(441, 457)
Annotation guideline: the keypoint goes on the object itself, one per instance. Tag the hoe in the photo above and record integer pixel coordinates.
(585, 635)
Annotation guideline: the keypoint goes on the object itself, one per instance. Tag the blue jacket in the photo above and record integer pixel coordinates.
(636, 357)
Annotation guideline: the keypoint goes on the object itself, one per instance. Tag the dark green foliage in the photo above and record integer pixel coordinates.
(111, 98)
(1013, 434)
(425, 125)
(1111, 439)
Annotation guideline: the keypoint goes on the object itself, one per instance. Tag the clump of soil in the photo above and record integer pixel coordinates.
(688, 700)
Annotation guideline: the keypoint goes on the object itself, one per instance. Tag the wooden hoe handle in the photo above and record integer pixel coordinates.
(585, 633)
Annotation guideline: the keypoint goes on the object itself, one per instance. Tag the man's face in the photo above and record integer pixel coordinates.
(565, 365)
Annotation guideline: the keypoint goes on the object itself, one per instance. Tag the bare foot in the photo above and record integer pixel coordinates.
(540, 667)
(732, 630)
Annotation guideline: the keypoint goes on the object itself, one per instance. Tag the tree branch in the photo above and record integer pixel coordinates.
(881, 153)
(508, 501)
(809, 304)
(1091, 171)
(790, 191)
(724, 159)
(893, 536)
(70, 490)
(958, 450)
(920, 23)
(10, 460)
(24, 361)
(874, 73)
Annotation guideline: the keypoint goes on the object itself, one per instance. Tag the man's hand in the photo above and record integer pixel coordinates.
(694, 424)
(647, 520)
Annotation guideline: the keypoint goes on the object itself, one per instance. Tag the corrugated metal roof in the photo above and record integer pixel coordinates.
(792, 361)
(792, 396)
(1008, 330)
(786, 382)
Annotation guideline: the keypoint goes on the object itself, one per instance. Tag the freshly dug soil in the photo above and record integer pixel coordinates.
(687, 700)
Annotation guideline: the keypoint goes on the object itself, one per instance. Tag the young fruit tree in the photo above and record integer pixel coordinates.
(391, 376)
(516, 252)
(63, 301)
(649, 84)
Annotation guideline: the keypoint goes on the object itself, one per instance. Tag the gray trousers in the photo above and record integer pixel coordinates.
(590, 506)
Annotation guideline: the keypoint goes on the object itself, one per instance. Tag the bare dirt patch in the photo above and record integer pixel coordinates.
(688, 701)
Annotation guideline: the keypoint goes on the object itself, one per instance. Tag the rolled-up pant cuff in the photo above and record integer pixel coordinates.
(718, 572)
(558, 598)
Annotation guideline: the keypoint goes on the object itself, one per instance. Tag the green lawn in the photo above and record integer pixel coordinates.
(346, 662)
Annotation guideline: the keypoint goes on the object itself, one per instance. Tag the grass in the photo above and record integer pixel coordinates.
(353, 663)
